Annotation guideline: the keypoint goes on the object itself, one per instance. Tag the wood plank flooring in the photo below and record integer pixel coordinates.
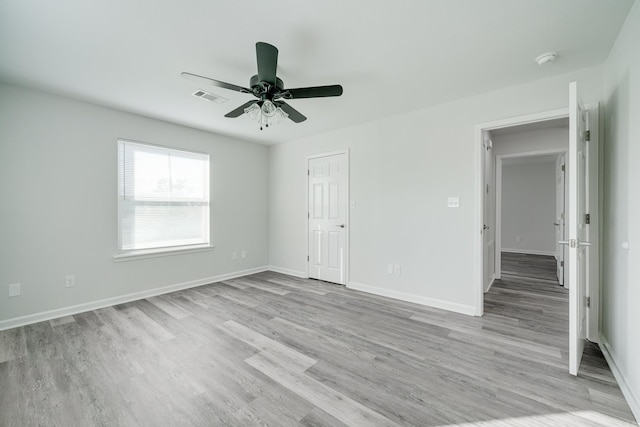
(270, 349)
(529, 265)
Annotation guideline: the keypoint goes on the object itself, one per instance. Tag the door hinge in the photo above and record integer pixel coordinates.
(308, 172)
(587, 219)
(561, 263)
(307, 258)
(588, 302)
(587, 135)
(562, 167)
(487, 188)
(308, 215)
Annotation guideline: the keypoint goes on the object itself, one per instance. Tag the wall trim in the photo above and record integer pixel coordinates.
(498, 184)
(417, 299)
(632, 399)
(108, 302)
(528, 252)
(289, 272)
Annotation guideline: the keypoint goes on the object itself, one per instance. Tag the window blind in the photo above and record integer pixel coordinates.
(163, 197)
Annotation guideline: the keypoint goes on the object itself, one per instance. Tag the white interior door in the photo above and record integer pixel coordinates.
(488, 227)
(577, 227)
(328, 197)
(560, 213)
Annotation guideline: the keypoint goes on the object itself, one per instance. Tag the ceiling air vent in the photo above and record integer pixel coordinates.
(210, 97)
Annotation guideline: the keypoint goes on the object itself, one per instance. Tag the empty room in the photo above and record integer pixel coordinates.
(337, 213)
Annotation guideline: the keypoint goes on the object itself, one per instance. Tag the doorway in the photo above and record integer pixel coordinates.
(590, 164)
(530, 205)
(328, 217)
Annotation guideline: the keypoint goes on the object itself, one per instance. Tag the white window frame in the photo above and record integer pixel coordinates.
(129, 254)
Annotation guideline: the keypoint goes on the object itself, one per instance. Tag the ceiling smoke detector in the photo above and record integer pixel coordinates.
(546, 57)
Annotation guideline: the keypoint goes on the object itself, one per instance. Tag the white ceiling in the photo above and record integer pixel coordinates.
(390, 56)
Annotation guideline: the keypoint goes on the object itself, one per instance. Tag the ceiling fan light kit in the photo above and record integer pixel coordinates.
(267, 114)
(270, 107)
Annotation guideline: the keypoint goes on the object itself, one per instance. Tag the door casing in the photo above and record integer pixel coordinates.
(480, 130)
(498, 209)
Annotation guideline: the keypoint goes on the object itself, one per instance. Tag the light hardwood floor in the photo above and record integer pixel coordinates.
(270, 349)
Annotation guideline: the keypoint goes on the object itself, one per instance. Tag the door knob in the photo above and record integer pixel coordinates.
(574, 243)
(341, 225)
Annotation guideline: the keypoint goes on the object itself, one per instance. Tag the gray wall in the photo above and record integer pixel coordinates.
(519, 143)
(58, 213)
(621, 193)
(403, 169)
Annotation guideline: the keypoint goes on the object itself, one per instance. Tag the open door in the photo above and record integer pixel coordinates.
(488, 227)
(560, 214)
(577, 226)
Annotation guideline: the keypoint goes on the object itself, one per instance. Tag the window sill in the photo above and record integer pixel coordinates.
(154, 253)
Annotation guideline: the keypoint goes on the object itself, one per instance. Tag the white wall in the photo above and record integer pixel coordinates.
(403, 168)
(58, 210)
(546, 139)
(620, 327)
(529, 207)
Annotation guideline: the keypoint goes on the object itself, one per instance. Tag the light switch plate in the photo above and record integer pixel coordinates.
(14, 290)
(453, 202)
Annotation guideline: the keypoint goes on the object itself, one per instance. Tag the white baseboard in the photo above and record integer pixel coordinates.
(107, 302)
(632, 398)
(295, 273)
(417, 299)
(528, 252)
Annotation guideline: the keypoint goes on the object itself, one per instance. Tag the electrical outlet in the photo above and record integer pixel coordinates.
(14, 290)
(390, 269)
(69, 281)
(397, 270)
(518, 238)
(243, 254)
(234, 256)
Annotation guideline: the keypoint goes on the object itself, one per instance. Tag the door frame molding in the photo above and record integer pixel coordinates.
(593, 289)
(478, 214)
(347, 213)
(498, 189)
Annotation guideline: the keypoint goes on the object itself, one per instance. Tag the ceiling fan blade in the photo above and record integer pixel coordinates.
(294, 114)
(267, 57)
(207, 80)
(314, 92)
(240, 110)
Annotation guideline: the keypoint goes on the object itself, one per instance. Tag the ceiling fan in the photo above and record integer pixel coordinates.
(269, 89)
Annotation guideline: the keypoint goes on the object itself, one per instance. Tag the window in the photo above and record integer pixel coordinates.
(163, 199)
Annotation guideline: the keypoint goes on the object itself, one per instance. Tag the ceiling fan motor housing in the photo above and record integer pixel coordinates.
(265, 88)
